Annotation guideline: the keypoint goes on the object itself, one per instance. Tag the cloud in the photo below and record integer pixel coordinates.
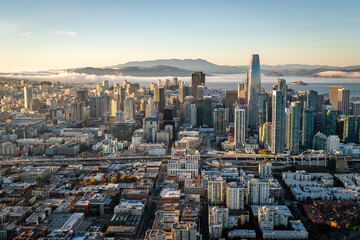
(25, 34)
(66, 33)
(338, 74)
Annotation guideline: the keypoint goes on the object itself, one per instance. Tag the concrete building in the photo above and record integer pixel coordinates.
(235, 196)
(258, 191)
(216, 191)
(265, 169)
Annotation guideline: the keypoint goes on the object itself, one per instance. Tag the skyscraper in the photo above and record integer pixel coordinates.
(184, 91)
(197, 79)
(96, 107)
(254, 89)
(28, 95)
(129, 108)
(206, 112)
(312, 100)
(221, 121)
(115, 106)
(160, 99)
(308, 128)
(293, 131)
(77, 111)
(240, 125)
(278, 123)
(334, 96)
(350, 130)
(330, 122)
(231, 97)
(344, 101)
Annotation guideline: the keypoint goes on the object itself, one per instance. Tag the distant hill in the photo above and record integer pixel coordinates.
(154, 71)
(184, 67)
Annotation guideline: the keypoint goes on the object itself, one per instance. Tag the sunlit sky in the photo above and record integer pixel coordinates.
(40, 35)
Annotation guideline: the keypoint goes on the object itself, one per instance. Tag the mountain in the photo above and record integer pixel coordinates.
(184, 67)
(154, 71)
(188, 64)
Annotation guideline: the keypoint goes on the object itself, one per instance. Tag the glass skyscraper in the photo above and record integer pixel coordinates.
(308, 128)
(254, 89)
(221, 121)
(293, 137)
(278, 123)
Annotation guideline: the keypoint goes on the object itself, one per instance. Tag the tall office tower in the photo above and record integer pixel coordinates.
(150, 110)
(28, 95)
(221, 121)
(278, 123)
(235, 196)
(35, 104)
(349, 134)
(283, 87)
(265, 170)
(122, 93)
(241, 93)
(189, 100)
(330, 122)
(105, 84)
(159, 82)
(254, 89)
(246, 86)
(129, 108)
(77, 111)
(96, 107)
(174, 81)
(344, 101)
(197, 79)
(240, 124)
(293, 137)
(216, 191)
(119, 116)
(206, 109)
(264, 114)
(355, 108)
(160, 99)
(115, 106)
(184, 91)
(231, 97)
(312, 100)
(82, 95)
(258, 191)
(106, 106)
(193, 115)
(334, 96)
(200, 92)
(308, 128)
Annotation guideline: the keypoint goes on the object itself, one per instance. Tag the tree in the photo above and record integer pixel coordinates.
(114, 180)
(94, 181)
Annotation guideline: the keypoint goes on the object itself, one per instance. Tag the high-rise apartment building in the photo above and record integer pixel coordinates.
(160, 99)
(96, 107)
(278, 123)
(240, 127)
(77, 111)
(308, 128)
(28, 95)
(344, 101)
(235, 196)
(216, 191)
(258, 191)
(293, 132)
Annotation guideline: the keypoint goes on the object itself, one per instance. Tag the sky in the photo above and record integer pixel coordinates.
(42, 35)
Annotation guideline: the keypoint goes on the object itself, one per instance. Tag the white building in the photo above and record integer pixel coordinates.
(265, 170)
(189, 164)
(235, 196)
(258, 191)
(269, 217)
(332, 143)
(240, 127)
(216, 191)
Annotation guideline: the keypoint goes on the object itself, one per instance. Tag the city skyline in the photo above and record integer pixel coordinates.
(72, 34)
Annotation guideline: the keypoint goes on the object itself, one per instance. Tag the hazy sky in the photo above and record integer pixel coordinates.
(39, 35)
